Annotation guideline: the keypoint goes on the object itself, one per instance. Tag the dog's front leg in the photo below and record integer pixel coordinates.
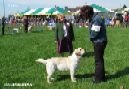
(49, 78)
(72, 71)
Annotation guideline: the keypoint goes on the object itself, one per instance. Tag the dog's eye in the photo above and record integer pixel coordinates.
(80, 49)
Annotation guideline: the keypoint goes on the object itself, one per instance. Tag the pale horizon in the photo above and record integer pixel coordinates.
(13, 6)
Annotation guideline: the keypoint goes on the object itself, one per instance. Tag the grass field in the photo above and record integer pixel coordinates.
(18, 53)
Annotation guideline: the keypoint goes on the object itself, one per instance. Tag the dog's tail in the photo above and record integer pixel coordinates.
(40, 60)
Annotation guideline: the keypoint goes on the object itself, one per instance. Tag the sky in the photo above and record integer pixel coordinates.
(13, 6)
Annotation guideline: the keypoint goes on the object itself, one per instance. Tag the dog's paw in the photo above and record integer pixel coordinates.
(49, 82)
(53, 79)
(74, 80)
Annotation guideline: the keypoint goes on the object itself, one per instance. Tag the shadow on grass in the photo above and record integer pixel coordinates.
(119, 74)
(37, 31)
(1, 85)
(80, 76)
(88, 54)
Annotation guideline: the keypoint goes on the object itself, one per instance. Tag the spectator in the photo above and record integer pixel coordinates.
(26, 24)
(64, 35)
(3, 25)
(126, 19)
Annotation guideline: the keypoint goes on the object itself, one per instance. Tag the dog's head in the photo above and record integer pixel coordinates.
(79, 52)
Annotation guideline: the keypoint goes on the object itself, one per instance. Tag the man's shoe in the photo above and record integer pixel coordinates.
(98, 81)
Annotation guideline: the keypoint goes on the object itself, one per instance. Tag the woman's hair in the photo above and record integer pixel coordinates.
(59, 16)
(86, 12)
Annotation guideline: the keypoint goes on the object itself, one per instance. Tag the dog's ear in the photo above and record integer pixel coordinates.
(78, 53)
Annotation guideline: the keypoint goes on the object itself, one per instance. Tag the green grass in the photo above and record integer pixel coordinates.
(18, 53)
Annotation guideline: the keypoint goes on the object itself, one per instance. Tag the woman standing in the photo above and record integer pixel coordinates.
(64, 35)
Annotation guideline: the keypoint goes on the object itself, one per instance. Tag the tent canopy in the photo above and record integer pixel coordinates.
(98, 8)
(51, 11)
(22, 13)
(44, 11)
(37, 11)
(58, 10)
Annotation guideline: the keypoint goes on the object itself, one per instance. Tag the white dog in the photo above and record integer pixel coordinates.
(29, 28)
(69, 63)
(15, 30)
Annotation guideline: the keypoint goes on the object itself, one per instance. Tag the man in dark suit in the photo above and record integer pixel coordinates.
(3, 25)
(64, 35)
(98, 37)
(26, 24)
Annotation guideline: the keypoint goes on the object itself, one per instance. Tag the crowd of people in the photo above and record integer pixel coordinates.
(119, 19)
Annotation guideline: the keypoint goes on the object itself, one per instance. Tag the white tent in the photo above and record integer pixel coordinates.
(29, 12)
(44, 11)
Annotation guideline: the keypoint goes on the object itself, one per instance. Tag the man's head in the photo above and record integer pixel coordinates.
(86, 12)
